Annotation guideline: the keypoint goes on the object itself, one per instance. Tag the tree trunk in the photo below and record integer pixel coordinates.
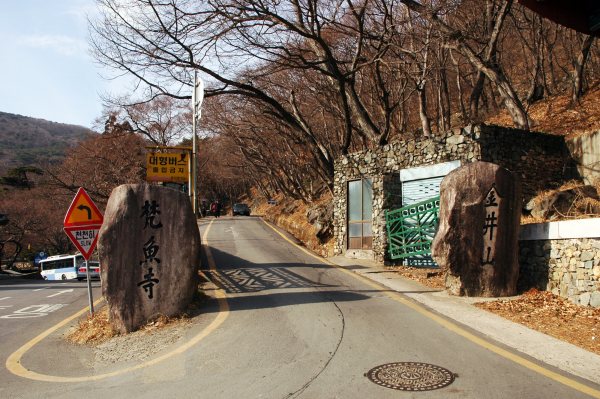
(492, 96)
(423, 109)
(579, 67)
(446, 111)
(532, 93)
(11, 263)
(511, 101)
(461, 101)
(476, 95)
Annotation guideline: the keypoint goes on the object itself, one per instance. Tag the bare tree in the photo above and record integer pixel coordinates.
(579, 65)
(163, 121)
(459, 39)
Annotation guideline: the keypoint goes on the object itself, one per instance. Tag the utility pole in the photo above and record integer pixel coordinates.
(197, 98)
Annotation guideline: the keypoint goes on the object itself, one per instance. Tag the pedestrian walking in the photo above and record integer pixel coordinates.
(216, 208)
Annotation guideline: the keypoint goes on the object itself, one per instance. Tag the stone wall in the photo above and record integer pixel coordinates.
(562, 257)
(537, 158)
(569, 268)
(540, 160)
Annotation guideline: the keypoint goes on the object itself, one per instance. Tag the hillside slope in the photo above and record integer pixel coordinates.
(23, 139)
(556, 115)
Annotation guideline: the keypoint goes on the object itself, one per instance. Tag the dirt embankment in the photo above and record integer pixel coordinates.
(312, 224)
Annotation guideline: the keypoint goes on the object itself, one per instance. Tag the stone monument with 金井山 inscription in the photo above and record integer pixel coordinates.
(149, 248)
(476, 242)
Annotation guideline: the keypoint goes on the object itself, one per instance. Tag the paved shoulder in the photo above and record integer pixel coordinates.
(545, 348)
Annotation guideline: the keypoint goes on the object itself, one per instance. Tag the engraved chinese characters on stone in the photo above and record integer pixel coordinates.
(150, 211)
(148, 282)
(150, 251)
(491, 205)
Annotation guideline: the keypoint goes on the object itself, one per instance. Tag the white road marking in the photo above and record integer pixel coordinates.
(5, 306)
(60, 292)
(30, 311)
(39, 289)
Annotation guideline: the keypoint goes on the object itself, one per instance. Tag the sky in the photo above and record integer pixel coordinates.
(45, 69)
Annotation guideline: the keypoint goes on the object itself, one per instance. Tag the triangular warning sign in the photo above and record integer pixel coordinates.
(84, 238)
(83, 211)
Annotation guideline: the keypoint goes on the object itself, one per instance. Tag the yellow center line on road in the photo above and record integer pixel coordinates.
(453, 327)
(13, 363)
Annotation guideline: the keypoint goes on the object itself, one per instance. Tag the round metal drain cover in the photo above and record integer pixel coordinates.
(411, 376)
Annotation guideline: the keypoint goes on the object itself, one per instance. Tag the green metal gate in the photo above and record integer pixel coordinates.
(411, 229)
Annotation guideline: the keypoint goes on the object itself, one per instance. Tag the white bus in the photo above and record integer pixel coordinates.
(61, 267)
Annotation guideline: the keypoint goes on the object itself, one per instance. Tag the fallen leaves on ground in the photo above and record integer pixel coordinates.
(550, 314)
(96, 329)
(93, 330)
(556, 114)
(433, 278)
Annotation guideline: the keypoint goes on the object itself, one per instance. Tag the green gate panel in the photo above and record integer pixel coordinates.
(411, 229)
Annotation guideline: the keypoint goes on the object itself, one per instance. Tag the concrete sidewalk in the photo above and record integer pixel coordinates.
(542, 347)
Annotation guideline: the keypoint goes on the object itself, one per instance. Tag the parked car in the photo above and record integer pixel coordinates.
(241, 209)
(94, 271)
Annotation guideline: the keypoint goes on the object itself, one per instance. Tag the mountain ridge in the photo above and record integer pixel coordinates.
(24, 139)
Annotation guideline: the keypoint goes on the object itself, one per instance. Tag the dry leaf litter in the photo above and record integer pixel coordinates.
(550, 314)
(111, 347)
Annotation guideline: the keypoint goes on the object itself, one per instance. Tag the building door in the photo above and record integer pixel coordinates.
(360, 214)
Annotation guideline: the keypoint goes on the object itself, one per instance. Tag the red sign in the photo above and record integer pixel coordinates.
(84, 238)
(82, 223)
(83, 211)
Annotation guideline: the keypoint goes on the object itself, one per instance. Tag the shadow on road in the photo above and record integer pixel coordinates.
(239, 276)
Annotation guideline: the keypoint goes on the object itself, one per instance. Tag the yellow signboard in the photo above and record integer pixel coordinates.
(167, 167)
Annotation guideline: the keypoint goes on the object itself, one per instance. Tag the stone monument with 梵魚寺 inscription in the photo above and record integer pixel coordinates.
(478, 229)
(149, 248)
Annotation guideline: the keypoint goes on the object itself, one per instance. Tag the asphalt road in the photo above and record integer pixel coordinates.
(27, 304)
(295, 327)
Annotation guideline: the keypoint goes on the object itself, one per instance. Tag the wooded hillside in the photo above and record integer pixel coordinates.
(23, 139)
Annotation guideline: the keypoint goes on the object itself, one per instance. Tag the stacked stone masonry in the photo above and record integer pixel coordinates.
(569, 268)
(539, 160)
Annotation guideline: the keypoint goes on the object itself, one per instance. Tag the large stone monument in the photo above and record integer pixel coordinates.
(149, 248)
(478, 229)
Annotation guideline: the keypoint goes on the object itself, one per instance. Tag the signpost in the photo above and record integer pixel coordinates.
(197, 98)
(82, 224)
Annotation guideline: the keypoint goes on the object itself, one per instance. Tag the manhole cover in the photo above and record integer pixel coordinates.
(411, 376)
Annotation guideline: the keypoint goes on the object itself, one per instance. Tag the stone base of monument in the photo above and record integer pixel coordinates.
(478, 229)
(149, 248)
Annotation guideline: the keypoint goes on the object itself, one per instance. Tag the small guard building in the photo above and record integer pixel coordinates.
(397, 175)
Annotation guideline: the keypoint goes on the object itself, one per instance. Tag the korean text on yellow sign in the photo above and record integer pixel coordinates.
(167, 167)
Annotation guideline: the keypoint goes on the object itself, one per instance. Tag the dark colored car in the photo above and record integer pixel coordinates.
(94, 271)
(241, 209)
